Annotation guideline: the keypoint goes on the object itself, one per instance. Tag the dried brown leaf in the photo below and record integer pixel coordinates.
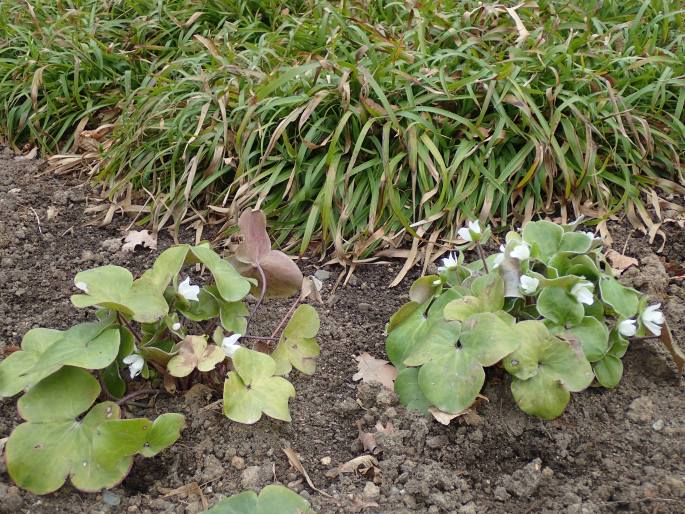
(295, 462)
(367, 439)
(139, 237)
(620, 262)
(52, 212)
(185, 490)
(362, 464)
(372, 370)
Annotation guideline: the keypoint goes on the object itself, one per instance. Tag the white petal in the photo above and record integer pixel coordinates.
(529, 284)
(232, 339)
(465, 234)
(135, 364)
(627, 328)
(82, 286)
(653, 318)
(521, 252)
(497, 261)
(188, 291)
(176, 326)
(474, 227)
(437, 282)
(449, 262)
(583, 292)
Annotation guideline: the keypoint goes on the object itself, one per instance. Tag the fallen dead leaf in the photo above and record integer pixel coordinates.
(29, 156)
(620, 262)
(311, 286)
(295, 462)
(469, 415)
(52, 211)
(139, 237)
(367, 439)
(677, 354)
(185, 490)
(442, 416)
(358, 504)
(362, 464)
(372, 370)
(389, 428)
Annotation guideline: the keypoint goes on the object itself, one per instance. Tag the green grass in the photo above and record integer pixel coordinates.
(352, 122)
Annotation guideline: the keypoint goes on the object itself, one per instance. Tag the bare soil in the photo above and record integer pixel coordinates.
(612, 451)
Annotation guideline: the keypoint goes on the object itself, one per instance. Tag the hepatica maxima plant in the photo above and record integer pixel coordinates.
(546, 307)
(159, 326)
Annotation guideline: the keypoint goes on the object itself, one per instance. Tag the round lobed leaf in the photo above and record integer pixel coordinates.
(298, 346)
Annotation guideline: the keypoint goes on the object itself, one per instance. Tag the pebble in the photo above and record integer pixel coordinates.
(437, 441)
(326, 461)
(322, 274)
(371, 491)
(501, 494)
(641, 409)
(111, 498)
(658, 425)
(364, 307)
(238, 462)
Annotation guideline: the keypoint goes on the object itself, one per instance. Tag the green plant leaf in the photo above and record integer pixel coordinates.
(453, 382)
(488, 339)
(233, 315)
(544, 238)
(95, 452)
(593, 336)
(558, 305)
(409, 392)
(194, 352)
(545, 369)
(252, 389)
(44, 351)
(622, 299)
(575, 242)
(274, 498)
(608, 371)
(298, 346)
(112, 287)
(165, 268)
(463, 308)
(232, 286)
(205, 308)
(489, 289)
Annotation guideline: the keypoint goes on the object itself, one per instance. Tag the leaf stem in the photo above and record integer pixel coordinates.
(133, 331)
(261, 295)
(136, 394)
(286, 317)
(482, 256)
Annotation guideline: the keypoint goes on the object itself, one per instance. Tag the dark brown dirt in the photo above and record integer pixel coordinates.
(612, 451)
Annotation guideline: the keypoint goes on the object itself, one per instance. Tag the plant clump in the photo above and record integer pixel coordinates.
(546, 307)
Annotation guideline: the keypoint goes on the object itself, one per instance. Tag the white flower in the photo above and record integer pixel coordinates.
(583, 292)
(230, 344)
(521, 251)
(188, 291)
(497, 261)
(135, 364)
(590, 235)
(529, 284)
(652, 318)
(437, 282)
(82, 286)
(449, 262)
(176, 326)
(467, 233)
(627, 328)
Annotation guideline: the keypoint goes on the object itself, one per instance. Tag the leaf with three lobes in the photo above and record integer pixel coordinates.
(96, 452)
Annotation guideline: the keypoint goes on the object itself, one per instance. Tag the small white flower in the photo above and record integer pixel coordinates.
(590, 235)
(583, 292)
(627, 328)
(521, 251)
(529, 284)
(449, 262)
(652, 318)
(82, 286)
(437, 282)
(497, 261)
(188, 291)
(230, 344)
(135, 364)
(467, 233)
(176, 326)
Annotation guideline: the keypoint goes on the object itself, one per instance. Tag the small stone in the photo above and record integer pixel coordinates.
(87, 255)
(111, 498)
(255, 477)
(326, 461)
(371, 491)
(469, 508)
(238, 462)
(364, 307)
(353, 281)
(501, 494)
(641, 409)
(112, 245)
(386, 397)
(658, 425)
(322, 274)
(437, 441)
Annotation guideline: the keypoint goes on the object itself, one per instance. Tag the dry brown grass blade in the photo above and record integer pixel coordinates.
(677, 354)
(295, 462)
(411, 259)
(187, 489)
